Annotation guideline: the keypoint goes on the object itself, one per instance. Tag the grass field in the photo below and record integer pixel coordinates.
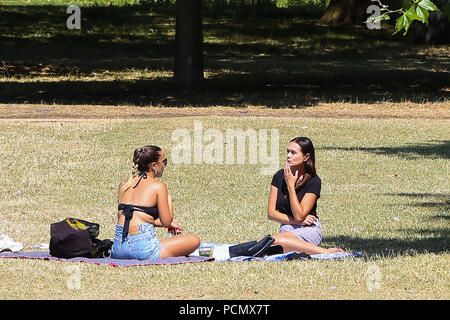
(385, 193)
(75, 103)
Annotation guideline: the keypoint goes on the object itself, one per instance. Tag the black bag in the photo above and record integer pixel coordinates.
(255, 248)
(77, 238)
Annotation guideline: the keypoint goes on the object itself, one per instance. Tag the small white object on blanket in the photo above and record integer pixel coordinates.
(42, 246)
(221, 253)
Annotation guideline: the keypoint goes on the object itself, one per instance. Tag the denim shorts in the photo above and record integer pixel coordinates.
(311, 234)
(143, 245)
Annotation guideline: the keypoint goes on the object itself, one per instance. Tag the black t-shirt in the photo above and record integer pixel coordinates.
(312, 186)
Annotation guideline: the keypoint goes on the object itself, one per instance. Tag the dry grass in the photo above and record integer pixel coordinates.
(406, 110)
(385, 194)
(315, 280)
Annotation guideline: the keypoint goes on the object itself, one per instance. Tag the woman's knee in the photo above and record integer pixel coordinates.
(179, 245)
(283, 238)
(195, 240)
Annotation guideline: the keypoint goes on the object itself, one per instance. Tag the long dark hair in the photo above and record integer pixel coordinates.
(306, 146)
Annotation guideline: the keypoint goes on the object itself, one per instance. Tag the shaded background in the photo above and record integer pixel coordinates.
(264, 53)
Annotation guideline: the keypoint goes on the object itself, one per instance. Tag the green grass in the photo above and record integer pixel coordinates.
(385, 193)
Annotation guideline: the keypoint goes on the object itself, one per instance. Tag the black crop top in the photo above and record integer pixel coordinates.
(282, 205)
(128, 210)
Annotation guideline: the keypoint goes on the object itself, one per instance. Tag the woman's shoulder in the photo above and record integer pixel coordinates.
(279, 173)
(157, 185)
(278, 177)
(315, 179)
(125, 180)
(154, 183)
(314, 182)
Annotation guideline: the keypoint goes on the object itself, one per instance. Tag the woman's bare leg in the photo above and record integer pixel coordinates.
(290, 242)
(180, 245)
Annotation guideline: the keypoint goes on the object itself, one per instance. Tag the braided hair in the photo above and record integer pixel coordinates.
(143, 157)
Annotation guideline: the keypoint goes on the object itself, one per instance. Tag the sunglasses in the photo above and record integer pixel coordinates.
(165, 161)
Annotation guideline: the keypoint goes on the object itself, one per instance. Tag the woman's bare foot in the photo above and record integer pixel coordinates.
(331, 250)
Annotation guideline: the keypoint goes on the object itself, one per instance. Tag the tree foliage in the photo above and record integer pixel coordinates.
(416, 10)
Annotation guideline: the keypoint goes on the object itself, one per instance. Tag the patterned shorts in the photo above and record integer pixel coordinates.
(311, 234)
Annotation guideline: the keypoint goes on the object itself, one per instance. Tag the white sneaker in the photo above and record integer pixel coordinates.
(8, 244)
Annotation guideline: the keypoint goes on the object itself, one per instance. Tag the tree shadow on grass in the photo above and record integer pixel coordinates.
(432, 149)
(435, 202)
(274, 63)
(426, 241)
(417, 240)
(438, 201)
(280, 91)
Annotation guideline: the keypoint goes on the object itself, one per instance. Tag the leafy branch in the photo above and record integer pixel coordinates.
(419, 10)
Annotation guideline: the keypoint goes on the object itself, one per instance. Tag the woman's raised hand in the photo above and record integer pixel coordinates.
(289, 177)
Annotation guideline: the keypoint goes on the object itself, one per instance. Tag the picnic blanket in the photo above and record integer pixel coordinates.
(45, 255)
(216, 250)
(219, 253)
(294, 255)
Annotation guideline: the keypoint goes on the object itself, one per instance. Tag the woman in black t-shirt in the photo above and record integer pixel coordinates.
(293, 201)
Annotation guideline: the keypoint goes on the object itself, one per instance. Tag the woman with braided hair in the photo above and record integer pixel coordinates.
(293, 200)
(144, 203)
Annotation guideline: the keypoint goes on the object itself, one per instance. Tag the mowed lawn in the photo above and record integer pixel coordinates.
(385, 193)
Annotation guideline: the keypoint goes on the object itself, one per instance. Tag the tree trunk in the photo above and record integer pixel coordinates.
(188, 71)
(436, 32)
(438, 29)
(346, 12)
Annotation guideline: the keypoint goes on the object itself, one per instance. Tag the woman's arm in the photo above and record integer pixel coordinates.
(300, 210)
(124, 181)
(157, 222)
(275, 215)
(164, 208)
